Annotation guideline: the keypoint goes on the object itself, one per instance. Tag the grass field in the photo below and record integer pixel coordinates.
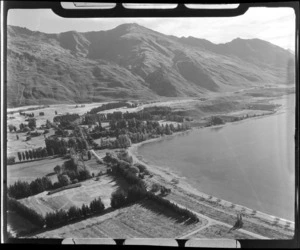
(141, 220)
(28, 171)
(89, 190)
(94, 166)
(14, 146)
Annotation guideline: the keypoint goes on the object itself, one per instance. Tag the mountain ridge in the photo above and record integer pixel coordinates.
(131, 61)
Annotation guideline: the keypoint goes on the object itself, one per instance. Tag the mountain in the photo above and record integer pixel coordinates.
(134, 62)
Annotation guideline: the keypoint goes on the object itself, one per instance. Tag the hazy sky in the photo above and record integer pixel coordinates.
(276, 25)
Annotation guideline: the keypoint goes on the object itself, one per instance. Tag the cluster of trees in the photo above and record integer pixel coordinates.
(26, 114)
(158, 110)
(78, 144)
(12, 128)
(62, 217)
(112, 105)
(65, 175)
(56, 218)
(137, 192)
(73, 170)
(61, 132)
(163, 190)
(28, 213)
(215, 120)
(185, 213)
(123, 141)
(22, 189)
(175, 118)
(24, 127)
(122, 166)
(66, 120)
(134, 131)
(56, 146)
(90, 119)
(32, 123)
(32, 154)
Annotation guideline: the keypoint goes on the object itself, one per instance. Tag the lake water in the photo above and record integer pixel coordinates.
(250, 163)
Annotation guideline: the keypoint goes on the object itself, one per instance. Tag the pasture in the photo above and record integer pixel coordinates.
(140, 220)
(88, 191)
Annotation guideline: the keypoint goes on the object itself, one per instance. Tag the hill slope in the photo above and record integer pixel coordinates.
(131, 61)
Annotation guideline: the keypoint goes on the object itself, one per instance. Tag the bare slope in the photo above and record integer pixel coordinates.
(131, 61)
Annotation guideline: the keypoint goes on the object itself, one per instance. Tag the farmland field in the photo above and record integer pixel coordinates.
(28, 171)
(142, 220)
(88, 191)
(220, 231)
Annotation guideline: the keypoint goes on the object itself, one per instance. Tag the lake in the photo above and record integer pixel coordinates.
(250, 162)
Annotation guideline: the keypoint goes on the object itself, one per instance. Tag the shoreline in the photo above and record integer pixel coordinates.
(168, 175)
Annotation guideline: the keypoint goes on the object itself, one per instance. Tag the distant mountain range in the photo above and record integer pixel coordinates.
(134, 62)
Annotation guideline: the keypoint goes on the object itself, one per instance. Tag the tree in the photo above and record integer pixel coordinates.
(118, 199)
(72, 143)
(21, 126)
(44, 152)
(89, 155)
(215, 120)
(32, 123)
(96, 206)
(37, 186)
(27, 155)
(20, 156)
(47, 184)
(168, 130)
(11, 160)
(64, 180)
(11, 128)
(73, 212)
(57, 169)
(30, 154)
(136, 192)
(124, 141)
(34, 154)
(85, 210)
(23, 156)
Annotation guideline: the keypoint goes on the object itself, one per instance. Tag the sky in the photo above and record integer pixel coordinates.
(275, 25)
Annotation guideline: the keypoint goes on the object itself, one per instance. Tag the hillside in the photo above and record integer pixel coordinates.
(133, 62)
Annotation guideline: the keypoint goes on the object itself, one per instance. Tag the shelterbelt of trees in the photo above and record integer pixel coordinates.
(59, 217)
(112, 105)
(121, 166)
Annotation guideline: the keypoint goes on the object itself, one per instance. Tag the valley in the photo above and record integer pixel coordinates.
(131, 133)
